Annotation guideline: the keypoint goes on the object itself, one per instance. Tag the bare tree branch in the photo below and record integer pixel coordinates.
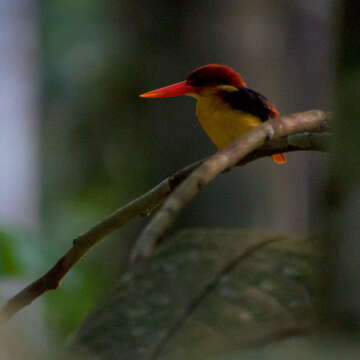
(273, 129)
(83, 243)
(311, 121)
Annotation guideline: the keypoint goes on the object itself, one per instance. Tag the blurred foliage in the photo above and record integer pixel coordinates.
(8, 259)
(102, 145)
(91, 138)
(207, 293)
(346, 167)
(21, 255)
(343, 190)
(99, 148)
(324, 347)
(18, 256)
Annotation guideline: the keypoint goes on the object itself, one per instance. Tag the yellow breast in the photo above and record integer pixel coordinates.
(221, 122)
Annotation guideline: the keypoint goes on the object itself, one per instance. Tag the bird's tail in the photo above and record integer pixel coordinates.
(279, 159)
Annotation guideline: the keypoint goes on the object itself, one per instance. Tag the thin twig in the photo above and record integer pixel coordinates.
(305, 141)
(273, 129)
(146, 203)
(83, 243)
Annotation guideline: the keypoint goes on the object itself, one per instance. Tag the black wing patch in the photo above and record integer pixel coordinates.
(251, 102)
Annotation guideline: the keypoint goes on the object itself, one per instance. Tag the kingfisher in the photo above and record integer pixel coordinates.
(226, 108)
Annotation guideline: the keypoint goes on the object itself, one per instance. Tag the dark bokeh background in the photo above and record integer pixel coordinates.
(89, 144)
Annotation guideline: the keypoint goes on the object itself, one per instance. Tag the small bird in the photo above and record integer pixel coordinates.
(226, 108)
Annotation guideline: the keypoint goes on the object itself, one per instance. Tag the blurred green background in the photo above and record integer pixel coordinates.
(77, 142)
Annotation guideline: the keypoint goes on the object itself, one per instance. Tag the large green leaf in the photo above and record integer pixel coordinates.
(207, 293)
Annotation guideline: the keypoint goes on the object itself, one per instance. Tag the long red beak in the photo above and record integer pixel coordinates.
(180, 88)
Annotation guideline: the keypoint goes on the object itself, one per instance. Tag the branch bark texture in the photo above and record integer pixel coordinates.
(273, 129)
(267, 139)
(143, 205)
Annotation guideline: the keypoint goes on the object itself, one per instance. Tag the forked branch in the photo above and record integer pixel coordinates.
(260, 138)
(269, 138)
